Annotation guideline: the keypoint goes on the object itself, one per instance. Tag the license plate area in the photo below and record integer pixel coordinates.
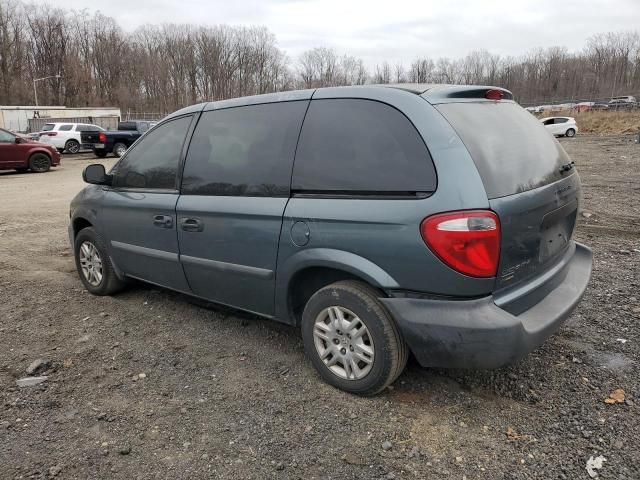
(556, 230)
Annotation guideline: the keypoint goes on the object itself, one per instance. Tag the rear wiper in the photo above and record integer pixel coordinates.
(566, 167)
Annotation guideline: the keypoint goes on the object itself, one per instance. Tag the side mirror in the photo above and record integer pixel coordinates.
(96, 175)
(19, 139)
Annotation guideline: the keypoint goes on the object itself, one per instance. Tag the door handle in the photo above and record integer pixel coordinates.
(191, 225)
(164, 221)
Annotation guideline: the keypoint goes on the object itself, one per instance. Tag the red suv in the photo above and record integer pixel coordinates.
(22, 154)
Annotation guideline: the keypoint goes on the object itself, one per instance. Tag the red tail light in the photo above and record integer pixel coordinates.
(102, 138)
(468, 241)
(494, 95)
(51, 134)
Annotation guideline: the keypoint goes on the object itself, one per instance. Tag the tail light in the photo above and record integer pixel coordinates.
(51, 134)
(468, 241)
(494, 95)
(102, 138)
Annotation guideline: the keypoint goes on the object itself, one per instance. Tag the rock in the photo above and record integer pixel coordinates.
(353, 458)
(37, 365)
(55, 471)
(387, 445)
(83, 339)
(125, 450)
(390, 476)
(587, 214)
(30, 381)
(280, 466)
(458, 459)
(142, 375)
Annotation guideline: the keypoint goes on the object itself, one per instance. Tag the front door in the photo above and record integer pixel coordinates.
(235, 188)
(139, 211)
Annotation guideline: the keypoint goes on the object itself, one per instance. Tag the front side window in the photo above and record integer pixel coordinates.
(6, 137)
(65, 128)
(352, 145)
(244, 151)
(153, 161)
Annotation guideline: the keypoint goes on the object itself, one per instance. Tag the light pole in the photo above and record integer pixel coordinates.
(35, 90)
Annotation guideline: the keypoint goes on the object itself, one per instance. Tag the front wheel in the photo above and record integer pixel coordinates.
(72, 146)
(39, 163)
(119, 149)
(570, 133)
(351, 339)
(93, 264)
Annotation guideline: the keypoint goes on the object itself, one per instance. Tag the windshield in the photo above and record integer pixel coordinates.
(511, 148)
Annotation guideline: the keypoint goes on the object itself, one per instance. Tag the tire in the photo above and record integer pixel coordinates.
(40, 162)
(383, 338)
(87, 265)
(72, 146)
(570, 133)
(100, 153)
(119, 149)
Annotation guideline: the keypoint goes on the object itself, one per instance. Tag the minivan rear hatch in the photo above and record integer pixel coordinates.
(529, 179)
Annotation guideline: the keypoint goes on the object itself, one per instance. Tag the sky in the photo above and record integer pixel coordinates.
(397, 31)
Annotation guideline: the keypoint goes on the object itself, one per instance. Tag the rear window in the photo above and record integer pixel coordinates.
(361, 146)
(47, 127)
(512, 150)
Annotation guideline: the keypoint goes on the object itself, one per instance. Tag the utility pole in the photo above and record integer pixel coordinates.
(35, 90)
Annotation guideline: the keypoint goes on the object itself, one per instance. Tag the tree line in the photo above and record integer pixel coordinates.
(162, 68)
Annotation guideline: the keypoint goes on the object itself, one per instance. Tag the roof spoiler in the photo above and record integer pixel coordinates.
(465, 93)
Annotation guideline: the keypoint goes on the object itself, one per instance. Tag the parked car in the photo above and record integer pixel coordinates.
(435, 220)
(626, 102)
(561, 126)
(17, 152)
(65, 136)
(104, 143)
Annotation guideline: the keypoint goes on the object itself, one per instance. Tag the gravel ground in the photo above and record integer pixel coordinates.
(147, 384)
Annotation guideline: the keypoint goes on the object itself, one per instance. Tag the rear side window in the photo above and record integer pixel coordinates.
(352, 146)
(65, 128)
(153, 161)
(244, 151)
(512, 150)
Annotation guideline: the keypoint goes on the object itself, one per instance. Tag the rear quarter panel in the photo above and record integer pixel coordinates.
(382, 236)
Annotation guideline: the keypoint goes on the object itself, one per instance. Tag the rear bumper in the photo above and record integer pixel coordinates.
(478, 333)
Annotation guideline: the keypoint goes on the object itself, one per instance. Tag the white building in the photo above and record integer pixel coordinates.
(16, 118)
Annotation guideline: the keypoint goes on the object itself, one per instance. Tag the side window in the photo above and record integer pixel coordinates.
(548, 122)
(153, 161)
(350, 145)
(244, 151)
(6, 137)
(65, 128)
(561, 120)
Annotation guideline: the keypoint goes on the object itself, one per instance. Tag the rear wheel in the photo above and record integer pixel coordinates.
(72, 146)
(39, 163)
(93, 264)
(119, 149)
(351, 339)
(570, 133)
(100, 153)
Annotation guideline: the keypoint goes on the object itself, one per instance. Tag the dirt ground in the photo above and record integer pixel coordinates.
(228, 395)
